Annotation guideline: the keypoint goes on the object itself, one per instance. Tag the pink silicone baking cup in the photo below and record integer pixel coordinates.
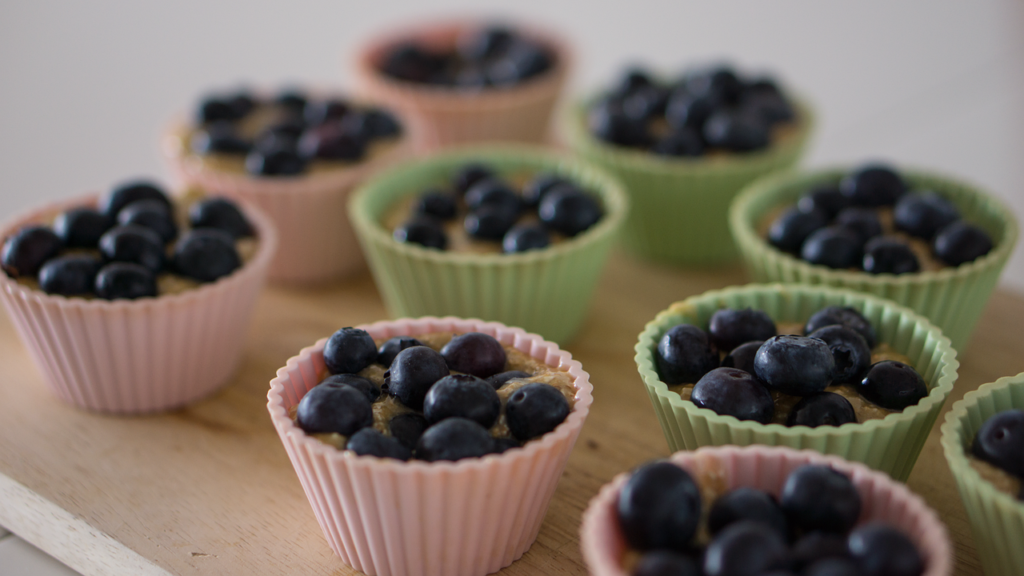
(467, 518)
(138, 356)
(310, 212)
(442, 116)
(765, 468)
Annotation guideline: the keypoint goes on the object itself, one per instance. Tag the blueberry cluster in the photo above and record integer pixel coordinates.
(839, 225)
(705, 110)
(495, 211)
(1000, 442)
(758, 362)
(281, 137)
(452, 396)
(117, 250)
(494, 56)
(809, 530)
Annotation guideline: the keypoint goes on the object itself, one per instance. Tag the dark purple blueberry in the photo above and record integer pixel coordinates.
(849, 351)
(349, 350)
(744, 548)
(525, 237)
(684, 355)
(832, 567)
(124, 280)
(680, 142)
(882, 550)
(370, 442)
(69, 275)
(789, 231)
(742, 356)
(665, 563)
(364, 385)
(331, 141)
(844, 316)
(569, 210)
(489, 222)
(1000, 442)
(535, 190)
(825, 198)
(795, 365)
(408, 428)
(734, 392)
(422, 230)
(129, 192)
(609, 123)
(817, 497)
(454, 439)
(863, 221)
(730, 327)
(470, 174)
(771, 108)
(632, 79)
(645, 103)
(747, 504)
(736, 131)
(25, 252)
(379, 123)
(762, 85)
(81, 227)
(893, 385)
(318, 112)
(960, 243)
(222, 214)
(688, 110)
(522, 61)
(815, 546)
(496, 193)
(462, 396)
(413, 372)
(500, 379)
(475, 353)
(206, 254)
(834, 247)
(361, 125)
(388, 350)
(411, 63)
(502, 445)
(437, 204)
(889, 255)
(230, 108)
(219, 138)
(873, 185)
(334, 408)
(135, 244)
(534, 410)
(923, 214)
(292, 100)
(718, 82)
(150, 214)
(659, 507)
(278, 161)
(481, 44)
(278, 139)
(822, 409)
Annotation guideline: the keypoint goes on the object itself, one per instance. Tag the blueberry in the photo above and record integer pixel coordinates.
(688, 110)
(742, 356)
(826, 199)
(534, 410)
(525, 237)
(850, 352)
(1000, 442)
(124, 280)
(472, 77)
(364, 126)
(795, 365)
(772, 108)
(744, 548)
(815, 546)
(135, 244)
(893, 385)
(334, 408)
(720, 83)
(408, 428)
(500, 379)
(413, 372)
(535, 190)
(380, 124)
(206, 254)
(331, 141)
(889, 255)
(218, 108)
(349, 350)
(462, 396)
(222, 214)
(28, 249)
(150, 214)
(70, 275)
(292, 100)
(834, 247)
(659, 507)
(485, 43)
(474, 353)
(569, 210)
(632, 79)
(960, 243)
(873, 185)
(680, 142)
(81, 227)
(493, 192)
(502, 445)
(789, 231)
(730, 327)
(822, 409)
(454, 439)
(489, 222)
(370, 442)
(468, 175)
(832, 567)
(278, 138)
(923, 214)
(734, 392)
(736, 130)
(219, 138)
(645, 103)
(609, 123)
(278, 161)
(318, 112)
(862, 221)
(129, 192)
(522, 61)
(844, 316)
(388, 350)
(437, 204)
(364, 385)
(817, 497)
(412, 63)
(684, 355)
(881, 550)
(747, 504)
(665, 563)
(424, 231)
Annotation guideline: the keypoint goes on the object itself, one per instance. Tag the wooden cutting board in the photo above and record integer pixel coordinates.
(209, 489)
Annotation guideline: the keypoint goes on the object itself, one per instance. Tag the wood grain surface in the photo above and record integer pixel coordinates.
(209, 489)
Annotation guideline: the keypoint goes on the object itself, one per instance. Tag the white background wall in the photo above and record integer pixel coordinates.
(86, 87)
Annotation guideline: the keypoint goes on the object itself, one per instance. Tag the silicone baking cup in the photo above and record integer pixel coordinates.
(680, 206)
(882, 499)
(997, 518)
(891, 444)
(138, 356)
(952, 298)
(467, 518)
(441, 116)
(545, 291)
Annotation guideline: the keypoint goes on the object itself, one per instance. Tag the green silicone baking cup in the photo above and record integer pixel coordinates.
(952, 298)
(544, 291)
(680, 206)
(997, 518)
(891, 444)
